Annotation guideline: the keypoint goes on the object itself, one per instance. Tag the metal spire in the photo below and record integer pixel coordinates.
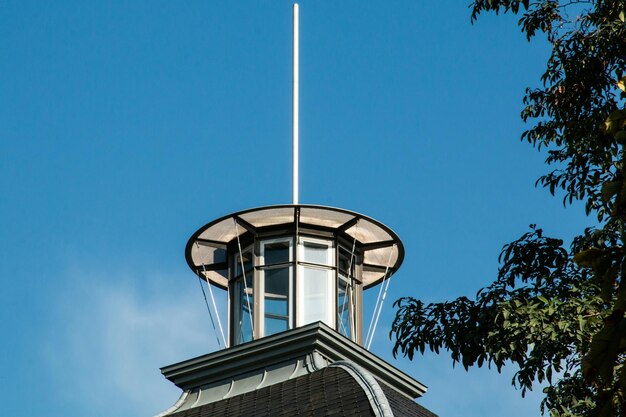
(295, 100)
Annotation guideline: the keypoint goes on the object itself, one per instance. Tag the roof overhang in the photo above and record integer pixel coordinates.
(267, 352)
(207, 249)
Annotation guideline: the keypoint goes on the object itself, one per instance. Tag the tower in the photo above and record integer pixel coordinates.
(295, 341)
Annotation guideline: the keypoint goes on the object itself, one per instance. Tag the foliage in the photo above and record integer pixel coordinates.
(556, 313)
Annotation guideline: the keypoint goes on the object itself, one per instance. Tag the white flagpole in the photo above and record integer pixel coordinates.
(295, 99)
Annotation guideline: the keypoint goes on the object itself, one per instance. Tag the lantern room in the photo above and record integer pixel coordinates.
(290, 265)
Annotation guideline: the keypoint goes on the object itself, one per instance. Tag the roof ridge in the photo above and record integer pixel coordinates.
(370, 386)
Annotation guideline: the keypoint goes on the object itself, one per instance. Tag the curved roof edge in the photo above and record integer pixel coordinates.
(176, 405)
(373, 391)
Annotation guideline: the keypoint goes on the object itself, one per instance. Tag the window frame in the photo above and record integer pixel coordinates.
(349, 277)
(329, 267)
(239, 310)
(261, 267)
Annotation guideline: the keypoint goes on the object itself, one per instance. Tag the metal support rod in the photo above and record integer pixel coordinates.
(295, 100)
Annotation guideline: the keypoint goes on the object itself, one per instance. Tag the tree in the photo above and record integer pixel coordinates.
(557, 313)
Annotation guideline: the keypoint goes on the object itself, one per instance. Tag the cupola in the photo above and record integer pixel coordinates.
(287, 266)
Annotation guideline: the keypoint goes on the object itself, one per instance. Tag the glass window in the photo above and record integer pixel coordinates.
(244, 309)
(219, 255)
(316, 283)
(276, 252)
(346, 262)
(316, 252)
(345, 292)
(316, 295)
(276, 277)
(276, 306)
(247, 262)
(344, 307)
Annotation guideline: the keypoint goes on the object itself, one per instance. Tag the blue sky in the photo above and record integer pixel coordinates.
(125, 126)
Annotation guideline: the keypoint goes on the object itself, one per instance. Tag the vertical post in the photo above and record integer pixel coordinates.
(295, 100)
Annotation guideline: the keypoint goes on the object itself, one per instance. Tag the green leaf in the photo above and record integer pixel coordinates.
(622, 379)
(620, 137)
(587, 257)
(609, 189)
(615, 121)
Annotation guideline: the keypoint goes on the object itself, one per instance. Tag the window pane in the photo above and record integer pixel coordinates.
(219, 255)
(275, 325)
(244, 310)
(344, 310)
(276, 300)
(315, 301)
(276, 290)
(276, 307)
(316, 253)
(247, 263)
(276, 252)
(346, 261)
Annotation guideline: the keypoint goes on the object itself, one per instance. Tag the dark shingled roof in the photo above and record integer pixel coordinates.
(331, 391)
(403, 406)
